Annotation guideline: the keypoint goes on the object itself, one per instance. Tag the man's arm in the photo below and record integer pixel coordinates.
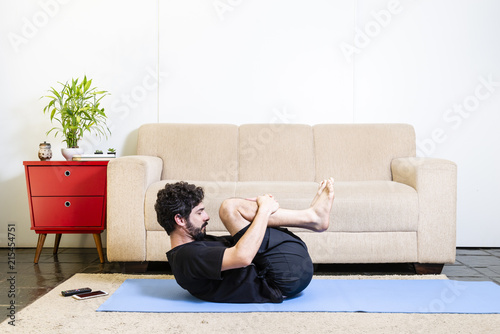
(242, 254)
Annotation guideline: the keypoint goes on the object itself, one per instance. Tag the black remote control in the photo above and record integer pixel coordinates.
(67, 293)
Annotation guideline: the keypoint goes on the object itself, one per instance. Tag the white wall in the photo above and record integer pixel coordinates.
(430, 63)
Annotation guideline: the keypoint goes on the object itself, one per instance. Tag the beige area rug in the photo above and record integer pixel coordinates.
(56, 314)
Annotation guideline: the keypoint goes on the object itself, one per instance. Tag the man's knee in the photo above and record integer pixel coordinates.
(227, 209)
(236, 213)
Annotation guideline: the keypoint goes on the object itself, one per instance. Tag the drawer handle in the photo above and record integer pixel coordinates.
(67, 173)
(67, 204)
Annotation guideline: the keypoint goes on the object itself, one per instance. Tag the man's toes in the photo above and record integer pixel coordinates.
(322, 186)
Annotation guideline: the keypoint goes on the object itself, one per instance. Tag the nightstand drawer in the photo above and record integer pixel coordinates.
(67, 180)
(70, 212)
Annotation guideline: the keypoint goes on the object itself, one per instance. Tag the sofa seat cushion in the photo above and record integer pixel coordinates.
(361, 206)
(374, 206)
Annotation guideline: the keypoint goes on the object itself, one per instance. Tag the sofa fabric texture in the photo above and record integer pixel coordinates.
(390, 206)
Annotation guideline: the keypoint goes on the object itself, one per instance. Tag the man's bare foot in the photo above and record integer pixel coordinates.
(322, 205)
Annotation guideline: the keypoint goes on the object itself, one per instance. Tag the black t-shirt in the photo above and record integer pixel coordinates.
(197, 268)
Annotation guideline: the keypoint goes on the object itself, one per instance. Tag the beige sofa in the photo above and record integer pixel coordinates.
(390, 207)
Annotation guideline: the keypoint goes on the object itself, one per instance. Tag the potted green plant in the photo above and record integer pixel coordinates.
(76, 108)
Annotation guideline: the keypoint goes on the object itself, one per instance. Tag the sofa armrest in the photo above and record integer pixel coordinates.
(435, 181)
(128, 179)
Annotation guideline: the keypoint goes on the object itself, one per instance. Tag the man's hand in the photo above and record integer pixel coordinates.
(267, 202)
(242, 254)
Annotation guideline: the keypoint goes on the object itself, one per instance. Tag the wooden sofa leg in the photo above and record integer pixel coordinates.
(133, 267)
(428, 268)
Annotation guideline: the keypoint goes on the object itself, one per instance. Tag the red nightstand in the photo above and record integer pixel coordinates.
(67, 197)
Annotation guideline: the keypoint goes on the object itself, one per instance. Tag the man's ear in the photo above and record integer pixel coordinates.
(179, 220)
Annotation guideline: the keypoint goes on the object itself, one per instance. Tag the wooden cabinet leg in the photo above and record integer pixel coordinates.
(98, 243)
(39, 246)
(56, 242)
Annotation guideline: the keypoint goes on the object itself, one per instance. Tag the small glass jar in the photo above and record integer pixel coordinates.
(45, 153)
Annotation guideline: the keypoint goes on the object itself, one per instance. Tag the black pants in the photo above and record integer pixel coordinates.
(283, 260)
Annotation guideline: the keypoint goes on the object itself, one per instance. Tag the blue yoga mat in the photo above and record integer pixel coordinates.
(322, 295)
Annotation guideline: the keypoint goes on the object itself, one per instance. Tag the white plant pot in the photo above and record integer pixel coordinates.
(68, 153)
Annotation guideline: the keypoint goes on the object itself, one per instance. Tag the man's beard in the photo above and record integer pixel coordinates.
(197, 233)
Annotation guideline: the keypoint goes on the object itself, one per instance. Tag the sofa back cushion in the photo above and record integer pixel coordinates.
(276, 152)
(361, 152)
(192, 151)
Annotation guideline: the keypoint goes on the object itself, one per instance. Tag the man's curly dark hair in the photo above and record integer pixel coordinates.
(177, 198)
